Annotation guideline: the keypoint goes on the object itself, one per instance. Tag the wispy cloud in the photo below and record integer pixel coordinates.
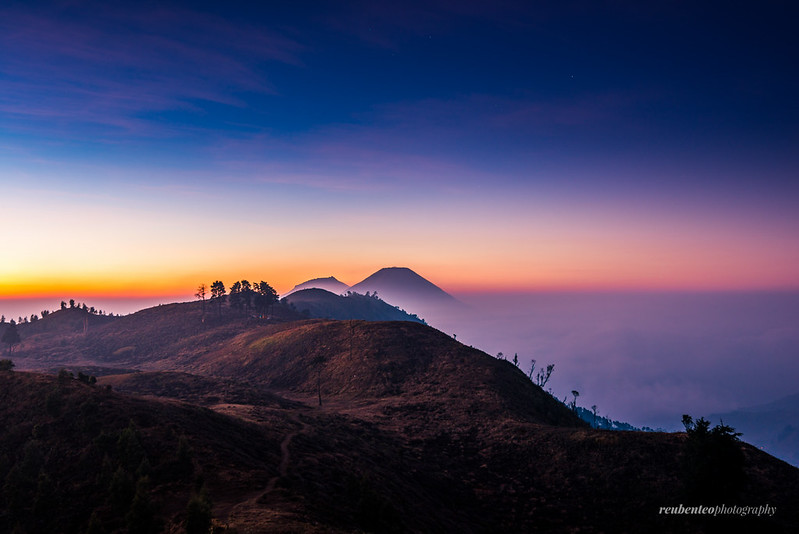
(70, 68)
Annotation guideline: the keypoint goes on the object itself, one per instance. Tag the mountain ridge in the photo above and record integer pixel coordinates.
(329, 283)
(321, 304)
(398, 286)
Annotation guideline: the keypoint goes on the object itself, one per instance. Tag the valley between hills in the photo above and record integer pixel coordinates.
(191, 418)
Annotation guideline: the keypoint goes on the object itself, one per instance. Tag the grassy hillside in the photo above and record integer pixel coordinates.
(276, 466)
(416, 433)
(74, 338)
(399, 366)
(70, 450)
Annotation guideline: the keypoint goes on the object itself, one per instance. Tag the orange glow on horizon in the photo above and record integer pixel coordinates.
(455, 280)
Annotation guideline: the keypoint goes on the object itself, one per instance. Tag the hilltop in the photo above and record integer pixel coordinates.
(416, 432)
(328, 284)
(321, 304)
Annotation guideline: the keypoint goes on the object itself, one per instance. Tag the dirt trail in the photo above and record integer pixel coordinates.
(285, 455)
(255, 499)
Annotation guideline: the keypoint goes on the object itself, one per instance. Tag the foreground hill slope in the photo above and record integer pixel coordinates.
(406, 368)
(72, 451)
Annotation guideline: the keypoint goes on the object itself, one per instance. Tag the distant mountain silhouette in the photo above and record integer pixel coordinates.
(404, 288)
(321, 304)
(328, 284)
(774, 427)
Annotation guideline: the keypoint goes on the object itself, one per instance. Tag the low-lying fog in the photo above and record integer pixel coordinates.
(644, 358)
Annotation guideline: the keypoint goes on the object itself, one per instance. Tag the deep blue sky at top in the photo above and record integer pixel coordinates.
(643, 80)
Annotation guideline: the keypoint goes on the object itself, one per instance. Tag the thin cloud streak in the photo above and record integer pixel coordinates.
(114, 67)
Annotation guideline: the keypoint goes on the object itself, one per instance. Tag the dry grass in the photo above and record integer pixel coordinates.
(417, 433)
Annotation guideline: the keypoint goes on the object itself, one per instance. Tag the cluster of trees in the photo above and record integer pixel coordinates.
(244, 296)
(24, 320)
(78, 306)
(44, 313)
(604, 422)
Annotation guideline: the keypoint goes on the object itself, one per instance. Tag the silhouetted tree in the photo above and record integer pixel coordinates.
(11, 337)
(713, 462)
(141, 518)
(63, 305)
(218, 295)
(2, 319)
(71, 303)
(516, 360)
(236, 299)
(200, 294)
(6, 365)
(576, 394)
(317, 362)
(246, 295)
(129, 447)
(543, 375)
(65, 376)
(87, 379)
(198, 514)
(120, 489)
(265, 297)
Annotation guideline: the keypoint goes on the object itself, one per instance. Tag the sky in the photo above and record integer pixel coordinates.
(503, 146)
